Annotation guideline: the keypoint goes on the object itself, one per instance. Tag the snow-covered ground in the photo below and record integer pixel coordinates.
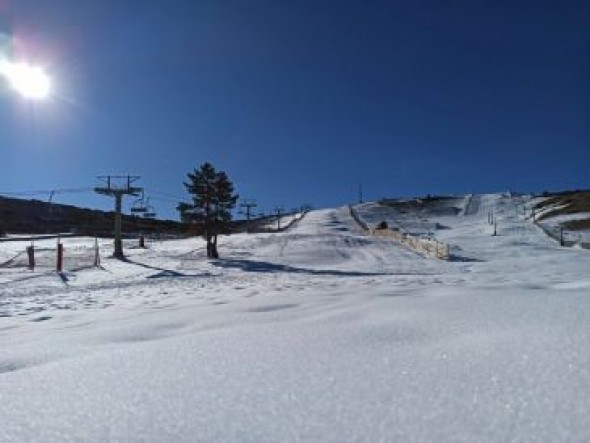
(316, 334)
(286, 220)
(579, 236)
(553, 223)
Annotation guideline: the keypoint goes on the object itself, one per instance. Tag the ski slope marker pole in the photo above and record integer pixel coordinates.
(60, 255)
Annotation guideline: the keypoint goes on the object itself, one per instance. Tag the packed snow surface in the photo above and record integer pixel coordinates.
(319, 333)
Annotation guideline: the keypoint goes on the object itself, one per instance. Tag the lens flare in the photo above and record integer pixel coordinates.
(29, 81)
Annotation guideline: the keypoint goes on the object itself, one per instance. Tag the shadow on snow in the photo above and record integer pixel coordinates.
(167, 273)
(260, 266)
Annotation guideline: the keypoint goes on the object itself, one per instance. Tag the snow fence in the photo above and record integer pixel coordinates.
(560, 236)
(70, 258)
(432, 248)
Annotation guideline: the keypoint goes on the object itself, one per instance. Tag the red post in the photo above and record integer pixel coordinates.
(31, 255)
(60, 257)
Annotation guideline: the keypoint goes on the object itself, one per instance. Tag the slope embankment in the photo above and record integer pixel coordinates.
(485, 227)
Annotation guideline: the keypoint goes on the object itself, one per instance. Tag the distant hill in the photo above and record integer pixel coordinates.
(18, 216)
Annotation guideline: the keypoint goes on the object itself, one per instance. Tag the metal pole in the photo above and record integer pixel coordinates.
(60, 256)
(31, 255)
(561, 235)
(96, 252)
(360, 193)
(279, 212)
(118, 253)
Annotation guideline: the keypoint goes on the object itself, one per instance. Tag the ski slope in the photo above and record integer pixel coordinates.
(320, 333)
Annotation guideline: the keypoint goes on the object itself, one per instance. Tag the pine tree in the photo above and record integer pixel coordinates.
(213, 200)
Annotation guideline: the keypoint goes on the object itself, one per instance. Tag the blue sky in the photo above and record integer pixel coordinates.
(299, 101)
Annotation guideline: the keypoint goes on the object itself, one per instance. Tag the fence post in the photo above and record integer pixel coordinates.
(561, 236)
(31, 255)
(60, 256)
(141, 241)
(96, 253)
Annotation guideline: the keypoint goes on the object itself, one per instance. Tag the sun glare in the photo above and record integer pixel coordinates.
(30, 81)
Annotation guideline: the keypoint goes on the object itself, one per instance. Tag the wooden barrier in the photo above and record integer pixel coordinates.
(357, 219)
(433, 248)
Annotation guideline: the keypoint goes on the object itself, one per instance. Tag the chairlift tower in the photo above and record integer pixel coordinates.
(279, 211)
(117, 186)
(248, 205)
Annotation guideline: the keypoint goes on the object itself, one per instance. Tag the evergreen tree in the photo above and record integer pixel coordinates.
(212, 202)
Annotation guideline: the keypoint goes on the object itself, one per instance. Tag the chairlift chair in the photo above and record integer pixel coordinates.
(150, 211)
(139, 206)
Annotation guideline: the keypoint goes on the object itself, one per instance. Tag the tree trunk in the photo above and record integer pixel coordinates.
(209, 246)
(214, 253)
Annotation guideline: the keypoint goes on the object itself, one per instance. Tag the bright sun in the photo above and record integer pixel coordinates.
(30, 81)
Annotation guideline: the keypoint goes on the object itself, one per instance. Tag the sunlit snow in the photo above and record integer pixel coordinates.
(319, 333)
